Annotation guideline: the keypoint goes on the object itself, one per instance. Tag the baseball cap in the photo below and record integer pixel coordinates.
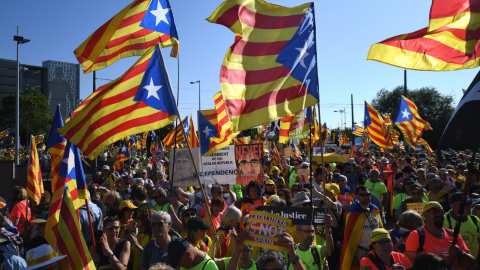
(379, 234)
(176, 249)
(127, 203)
(269, 182)
(430, 205)
(442, 171)
(197, 223)
(106, 167)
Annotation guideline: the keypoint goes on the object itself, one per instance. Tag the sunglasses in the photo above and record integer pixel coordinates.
(436, 211)
(417, 193)
(113, 228)
(383, 243)
(159, 224)
(190, 215)
(364, 194)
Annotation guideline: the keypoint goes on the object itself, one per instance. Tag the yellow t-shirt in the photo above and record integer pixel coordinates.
(307, 259)
(143, 240)
(468, 231)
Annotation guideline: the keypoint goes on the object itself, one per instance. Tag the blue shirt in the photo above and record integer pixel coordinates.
(97, 218)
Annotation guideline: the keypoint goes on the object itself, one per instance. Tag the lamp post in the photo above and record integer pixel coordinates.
(19, 40)
(341, 118)
(199, 108)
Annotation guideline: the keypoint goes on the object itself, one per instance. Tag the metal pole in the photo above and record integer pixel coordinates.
(199, 108)
(353, 122)
(96, 159)
(405, 82)
(17, 113)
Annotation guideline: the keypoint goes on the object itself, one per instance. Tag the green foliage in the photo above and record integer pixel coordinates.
(432, 107)
(35, 114)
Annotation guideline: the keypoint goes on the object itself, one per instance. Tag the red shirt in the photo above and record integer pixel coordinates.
(398, 258)
(20, 210)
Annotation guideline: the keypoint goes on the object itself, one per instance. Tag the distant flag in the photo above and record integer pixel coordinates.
(339, 138)
(140, 100)
(131, 141)
(56, 146)
(169, 140)
(464, 91)
(401, 145)
(265, 77)
(121, 156)
(34, 183)
(153, 141)
(450, 42)
(394, 135)
(296, 151)
(124, 35)
(463, 128)
(387, 120)
(326, 132)
(329, 140)
(277, 160)
(192, 135)
(427, 146)
(241, 139)
(72, 174)
(315, 127)
(285, 124)
(409, 122)
(357, 131)
(70, 240)
(4, 133)
(366, 144)
(376, 128)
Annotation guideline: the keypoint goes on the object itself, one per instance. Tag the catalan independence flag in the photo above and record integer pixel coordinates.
(169, 140)
(140, 100)
(395, 135)
(121, 156)
(131, 141)
(70, 240)
(4, 133)
(425, 143)
(56, 146)
(132, 32)
(450, 42)
(376, 128)
(35, 183)
(409, 122)
(276, 159)
(192, 135)
(357, 131)
(270, 71)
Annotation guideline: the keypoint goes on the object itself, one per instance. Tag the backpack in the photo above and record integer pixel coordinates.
(421, 238)
(472, 217)
(316, 256)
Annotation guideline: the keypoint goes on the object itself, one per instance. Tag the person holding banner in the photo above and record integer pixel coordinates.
(416, 196)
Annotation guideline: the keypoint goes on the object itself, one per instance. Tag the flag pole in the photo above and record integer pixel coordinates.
(207, 206)
(91, 226)
(176, 122)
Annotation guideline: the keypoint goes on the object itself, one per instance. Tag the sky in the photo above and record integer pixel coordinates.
(345, 32)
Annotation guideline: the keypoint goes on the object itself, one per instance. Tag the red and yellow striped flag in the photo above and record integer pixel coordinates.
(425, 143)
(35, 183)
(5, 133)
(263, 76)
(395, 135)
(366, 144)
(450, 41)
(285, 123)
(192, 135)
(56, 146)
(169, 140)
(376, 128)
(358, 131)
(277, 160)
(122, 108)
(120, 37)
(410, 123)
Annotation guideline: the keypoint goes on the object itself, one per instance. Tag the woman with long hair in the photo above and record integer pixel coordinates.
(231, 217)
(125, 217)
(18, 210)
(286, 195)
(112, 201)
(144, 235)
(112, 252)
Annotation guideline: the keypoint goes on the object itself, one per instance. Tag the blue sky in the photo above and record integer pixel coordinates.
(345, 32)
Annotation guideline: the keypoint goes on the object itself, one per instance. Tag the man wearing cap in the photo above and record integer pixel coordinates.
(382, 256)
(438, 240)
(185, 256)
(470, 226)
(448, 182)
(363, 217)
(377, 186)
(157, 249)
(107, 179)
(160, 195)
(416, 196)
(269, 189)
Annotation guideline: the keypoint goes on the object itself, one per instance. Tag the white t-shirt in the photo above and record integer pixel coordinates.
(227, 199)
(371, 223)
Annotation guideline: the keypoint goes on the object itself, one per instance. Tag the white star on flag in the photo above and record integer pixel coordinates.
(152, 89)
(405, 114)
(303, 54)
(70, 161)
(160, 14)
(124, 149)
(207, 132)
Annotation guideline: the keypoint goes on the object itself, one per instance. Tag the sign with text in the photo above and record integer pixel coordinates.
(287, 151)
(249, 161)
(298, 215)
(417, 207)
(304, 173)
(318, 151)
(265, 229)
(219, 167)
(182, 167)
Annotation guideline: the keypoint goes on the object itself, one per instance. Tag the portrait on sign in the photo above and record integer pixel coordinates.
(249, 159)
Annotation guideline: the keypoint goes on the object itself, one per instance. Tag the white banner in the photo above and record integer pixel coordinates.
(220, 167)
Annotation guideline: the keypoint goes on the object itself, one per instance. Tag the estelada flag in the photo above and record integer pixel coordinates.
(409, 122)
(139, 101)
(270, 71)
(131, 32)
(376, 128)
(450, 41)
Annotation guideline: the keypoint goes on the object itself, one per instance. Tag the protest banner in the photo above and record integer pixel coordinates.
(418, 207)
(318, 150)
(305, 173)
(184, 173)
(249, 160)
(265, 230)
(219, 167)
(267, 145)
(298, 215)
(287, 151)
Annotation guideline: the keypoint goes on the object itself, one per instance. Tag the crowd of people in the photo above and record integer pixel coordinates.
(383, 211)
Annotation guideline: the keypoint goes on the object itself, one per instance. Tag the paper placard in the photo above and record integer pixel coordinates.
(249, 161)
(287, 151)
(418, 207)
(219, 167)
(265, 229)
(298, 215)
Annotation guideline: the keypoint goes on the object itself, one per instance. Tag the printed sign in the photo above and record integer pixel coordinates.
(318, 151)
(249, 159)
(265, 230)
(219, 167)
(305, 173)
(298, 215)
(287, 151)
(418, 207)
(184, 173)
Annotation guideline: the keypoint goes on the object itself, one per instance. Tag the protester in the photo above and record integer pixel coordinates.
(382, 255)
(185, 256)
(125, 216)
(407, 222)
(112, 202)
(143, 236)
(18, 209)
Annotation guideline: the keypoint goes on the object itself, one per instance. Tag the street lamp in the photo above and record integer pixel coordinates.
(341, 118)
(198, 92)
(19, 40)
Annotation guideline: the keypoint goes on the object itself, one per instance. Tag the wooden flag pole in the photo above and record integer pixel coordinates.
(175, 140)
(207, 205)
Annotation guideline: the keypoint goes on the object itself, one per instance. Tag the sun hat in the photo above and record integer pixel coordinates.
(41, 256)
(176, 249)
(300, 198)
(333, 188)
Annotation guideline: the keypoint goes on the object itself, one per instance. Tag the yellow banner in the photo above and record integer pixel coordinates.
(265, 229)
(287, 151)
(418, 207)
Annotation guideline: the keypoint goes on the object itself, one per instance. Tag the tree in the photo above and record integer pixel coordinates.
(432, 107)
(35, 114)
